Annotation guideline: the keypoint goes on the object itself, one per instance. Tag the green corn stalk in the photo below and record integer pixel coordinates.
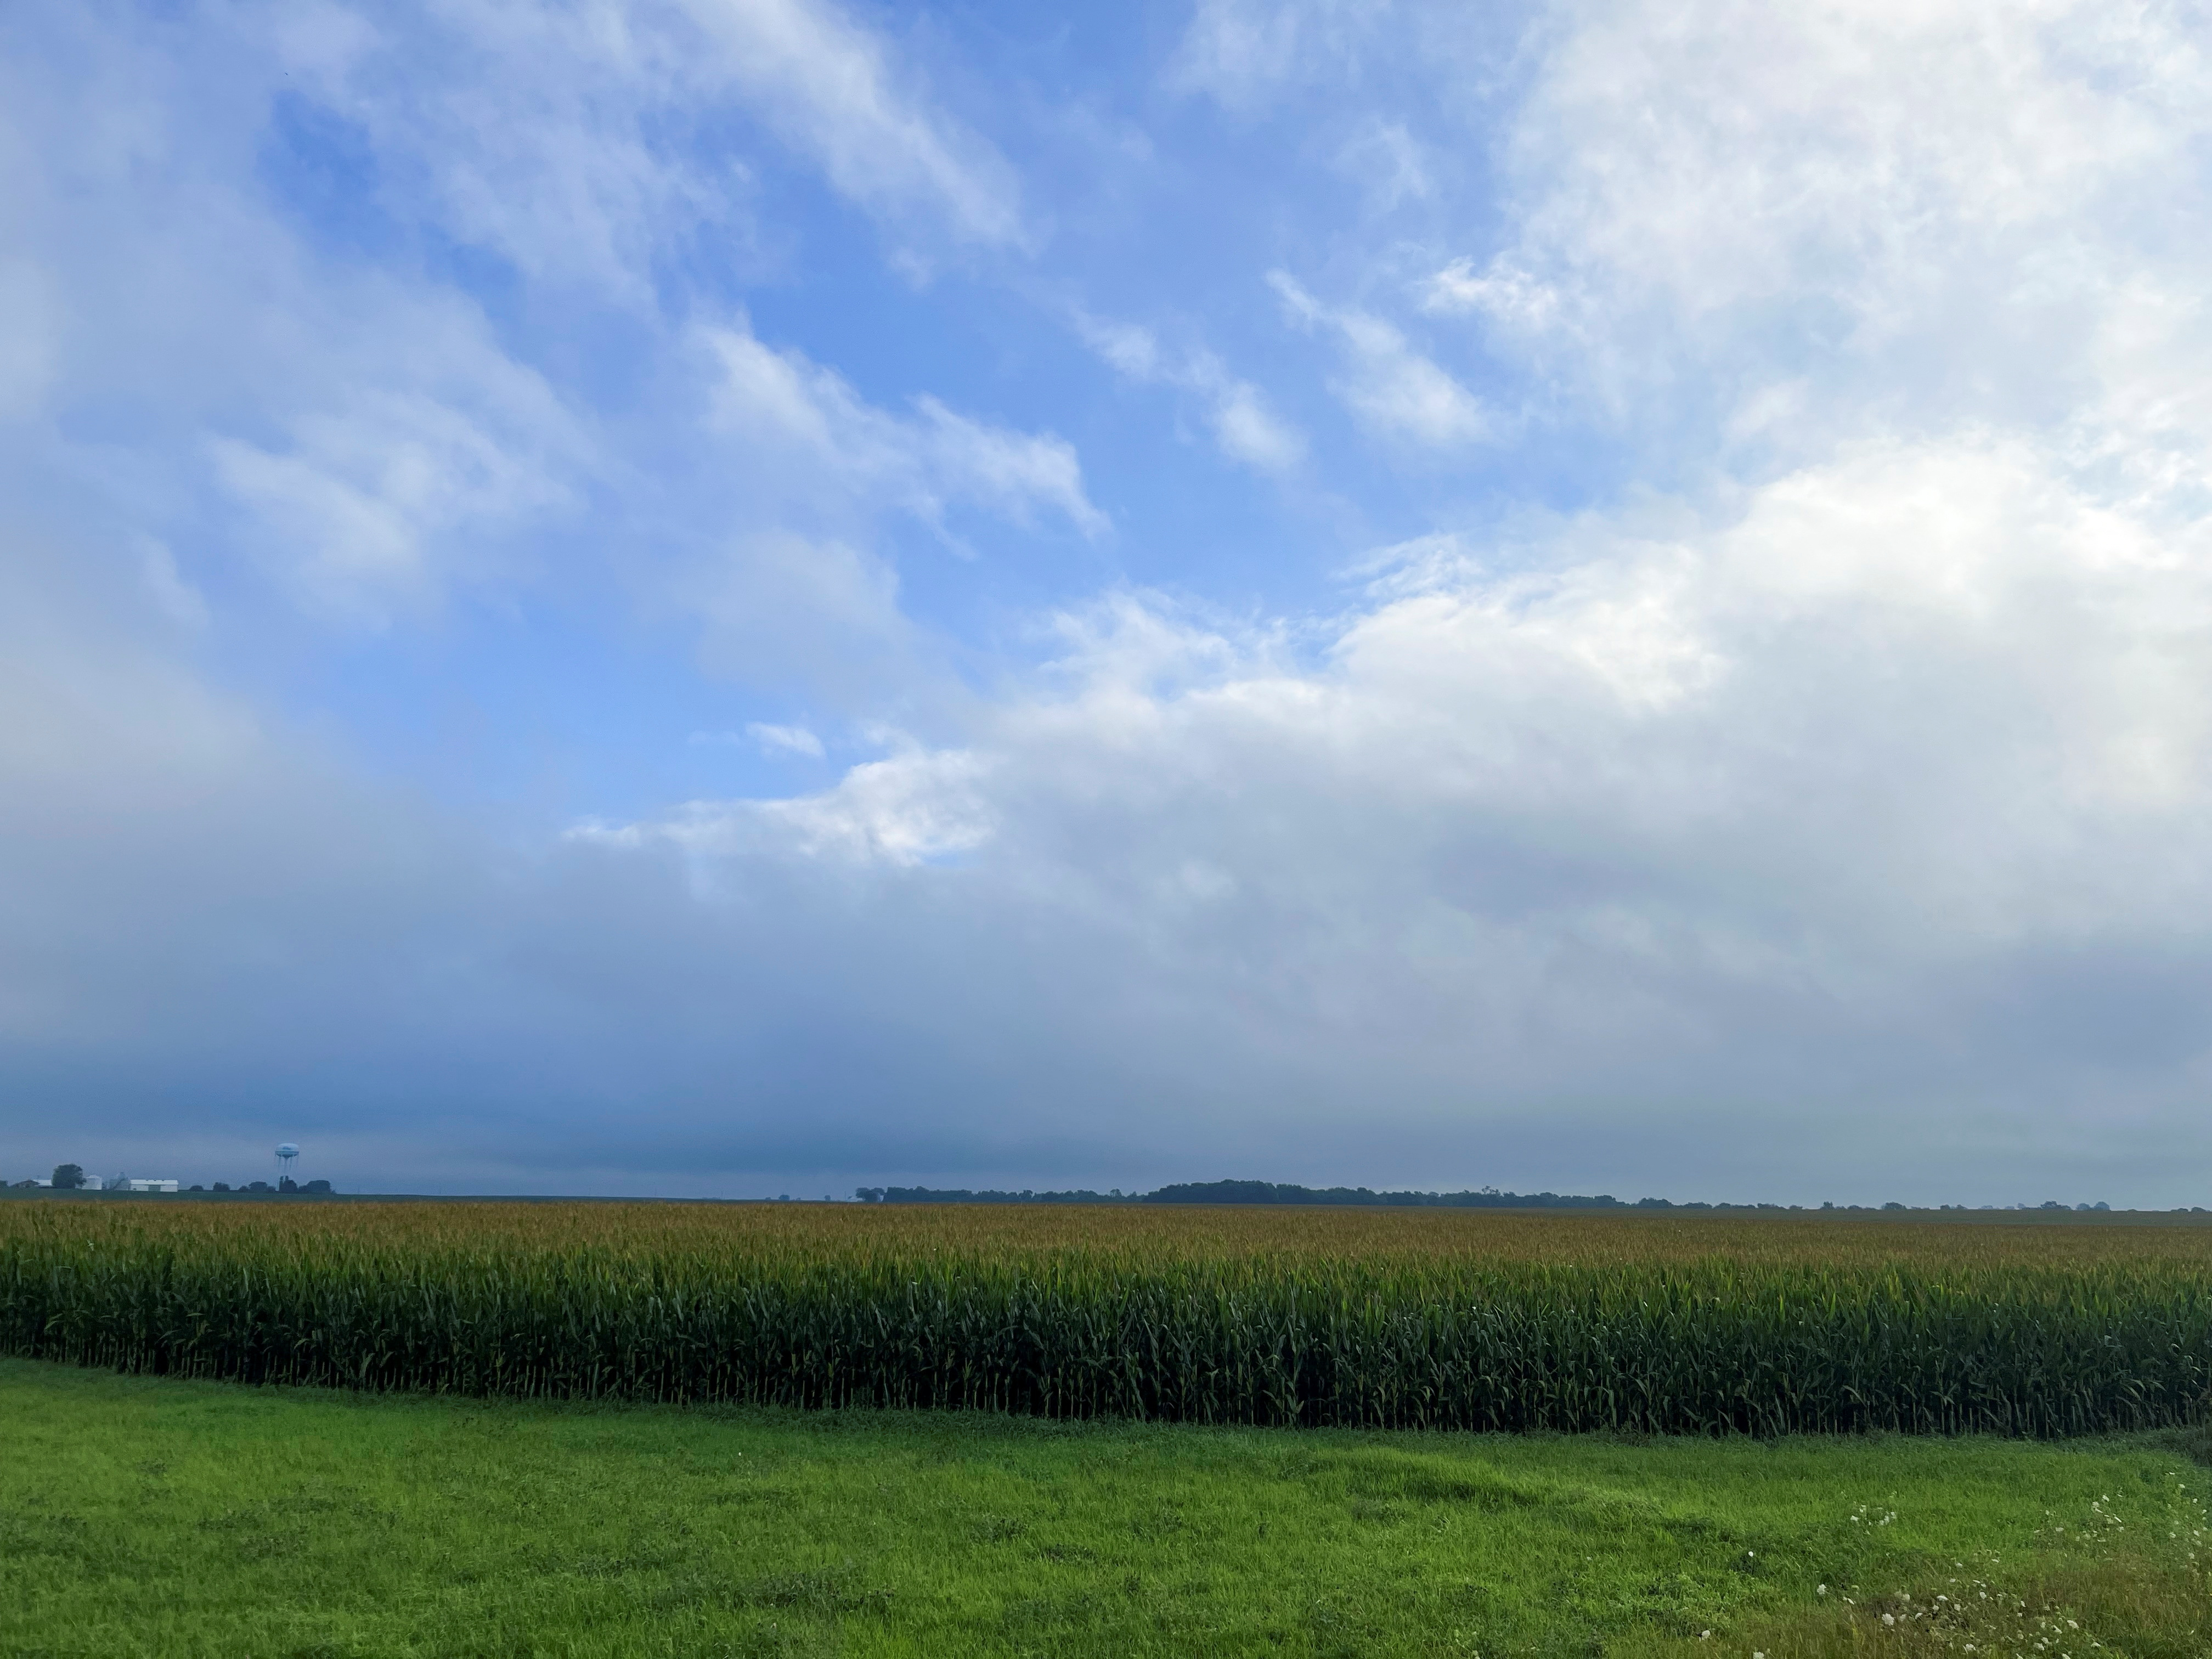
(1713, 1345)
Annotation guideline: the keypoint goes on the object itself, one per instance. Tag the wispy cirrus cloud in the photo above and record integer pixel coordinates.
(830, 84)
(588, 142)
(1243, 54)
(380, 502)
(785, 740)
(1243, 422)
(924, 462)
(1395, 392)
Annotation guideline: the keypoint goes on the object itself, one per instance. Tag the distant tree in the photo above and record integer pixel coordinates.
(68, 1175)
(255, 1187)
(1240, 1192)
(316, 1187)
(222, 1186)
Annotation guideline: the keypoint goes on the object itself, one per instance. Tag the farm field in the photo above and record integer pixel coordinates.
(1423, 1319)
(142, 1517)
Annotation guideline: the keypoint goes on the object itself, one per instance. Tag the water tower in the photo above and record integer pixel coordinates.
(285, 1155)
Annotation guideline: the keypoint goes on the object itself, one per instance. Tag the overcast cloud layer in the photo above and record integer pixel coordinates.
(752, 596)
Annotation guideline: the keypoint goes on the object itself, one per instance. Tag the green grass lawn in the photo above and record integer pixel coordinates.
(156, 1517)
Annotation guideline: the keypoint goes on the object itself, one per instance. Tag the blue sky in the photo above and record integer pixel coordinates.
(739, 596)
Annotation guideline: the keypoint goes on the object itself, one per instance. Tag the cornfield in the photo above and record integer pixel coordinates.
(1420, 1319)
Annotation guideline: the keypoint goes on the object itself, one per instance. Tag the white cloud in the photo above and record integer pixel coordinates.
(584, 140)
(785, 740)
(1131, 348)
(307, 394)
(537, 131)
(831, 85)
(1879, 747)
(363, 433)
(1245, 425)
(1937, 215)
(1242, 53)
(924, 464)
(911, 809)
(363, 506)
(1391, 389)
(1510, 297)
(1009, 472)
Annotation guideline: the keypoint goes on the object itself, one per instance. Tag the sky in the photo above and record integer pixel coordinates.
(739, 597)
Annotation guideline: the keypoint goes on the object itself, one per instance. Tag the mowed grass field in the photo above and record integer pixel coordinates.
(1428, 1319)
(144, 1516)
